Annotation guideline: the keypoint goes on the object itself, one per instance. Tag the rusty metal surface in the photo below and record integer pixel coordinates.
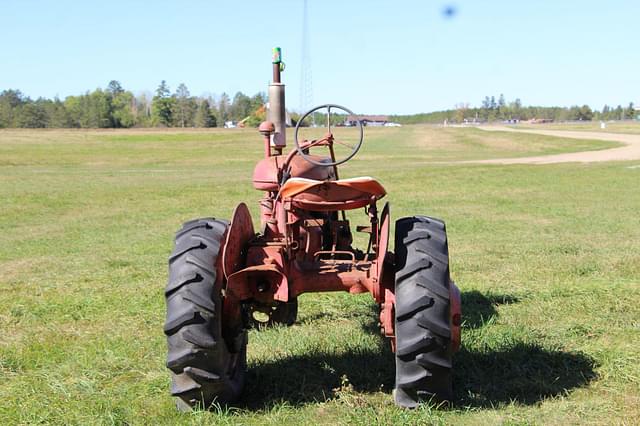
(382, 245)
(317, 195)
(455, 314)
(263, 283)
(239, 233)
(277, 114)
(267, 173)
(266, 128)
(303, 247)
(343, 278)
(387, 317)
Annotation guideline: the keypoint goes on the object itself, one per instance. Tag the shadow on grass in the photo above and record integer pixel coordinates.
(523, 373)
(478, 308)
(311, 378)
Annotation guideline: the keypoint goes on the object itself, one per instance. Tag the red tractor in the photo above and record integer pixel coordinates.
(225, 278)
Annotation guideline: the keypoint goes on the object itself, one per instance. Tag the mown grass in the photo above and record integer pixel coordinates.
(547, 257)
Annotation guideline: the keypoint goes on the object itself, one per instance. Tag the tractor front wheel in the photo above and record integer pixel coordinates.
(422, 324)
(207, 350)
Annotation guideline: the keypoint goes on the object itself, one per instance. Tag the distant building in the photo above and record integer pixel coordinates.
(540, 120)
(366, 120)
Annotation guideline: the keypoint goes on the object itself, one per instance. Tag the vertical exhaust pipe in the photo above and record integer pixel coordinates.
(276, 112)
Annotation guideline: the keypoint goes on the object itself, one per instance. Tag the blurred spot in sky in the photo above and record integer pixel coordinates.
(449, 12)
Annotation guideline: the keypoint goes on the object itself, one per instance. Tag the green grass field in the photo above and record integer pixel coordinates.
(627, 126)
(547, 258)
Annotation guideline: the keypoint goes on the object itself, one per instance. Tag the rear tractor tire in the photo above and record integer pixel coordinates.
(206, 355)
(423, 333)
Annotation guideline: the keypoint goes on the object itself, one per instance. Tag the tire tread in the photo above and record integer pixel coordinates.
(423, 355)
(198, 356)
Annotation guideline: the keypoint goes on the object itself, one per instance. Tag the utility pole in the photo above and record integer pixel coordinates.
(306, 83)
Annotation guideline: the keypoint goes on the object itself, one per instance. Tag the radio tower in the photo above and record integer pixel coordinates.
(306, 84)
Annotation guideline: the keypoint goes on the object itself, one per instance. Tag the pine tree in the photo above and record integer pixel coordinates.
(114, 87)
(204, 118)
(163, 90)
(631, 111)
(162, 105)
(182, 104)
(223, 109)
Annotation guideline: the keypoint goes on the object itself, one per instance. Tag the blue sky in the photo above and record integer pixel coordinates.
(374, 57)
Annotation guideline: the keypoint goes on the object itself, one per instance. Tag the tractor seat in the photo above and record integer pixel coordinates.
(331, 195)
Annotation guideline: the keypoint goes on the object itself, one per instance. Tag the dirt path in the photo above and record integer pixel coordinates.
(631, 150)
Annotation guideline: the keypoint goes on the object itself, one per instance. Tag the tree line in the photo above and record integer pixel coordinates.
(115, 107)
(492, 110)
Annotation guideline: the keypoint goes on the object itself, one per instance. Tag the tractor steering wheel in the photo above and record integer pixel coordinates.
(328, 140)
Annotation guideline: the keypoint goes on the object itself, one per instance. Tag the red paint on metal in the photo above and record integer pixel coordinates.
(230, 308)
(303, 249)
(263, 283)
(340, 278)
(346, 194)
(267, 128)
(290, 279)
(387, 317)
(267, 147)
(455, 312)
(382, 244)
(238, 235)
(268, 172)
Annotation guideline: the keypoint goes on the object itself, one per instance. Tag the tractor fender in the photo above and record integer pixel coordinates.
(382, 245)
(239, 234)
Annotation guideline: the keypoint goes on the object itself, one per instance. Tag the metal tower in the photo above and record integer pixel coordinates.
(306, 83)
